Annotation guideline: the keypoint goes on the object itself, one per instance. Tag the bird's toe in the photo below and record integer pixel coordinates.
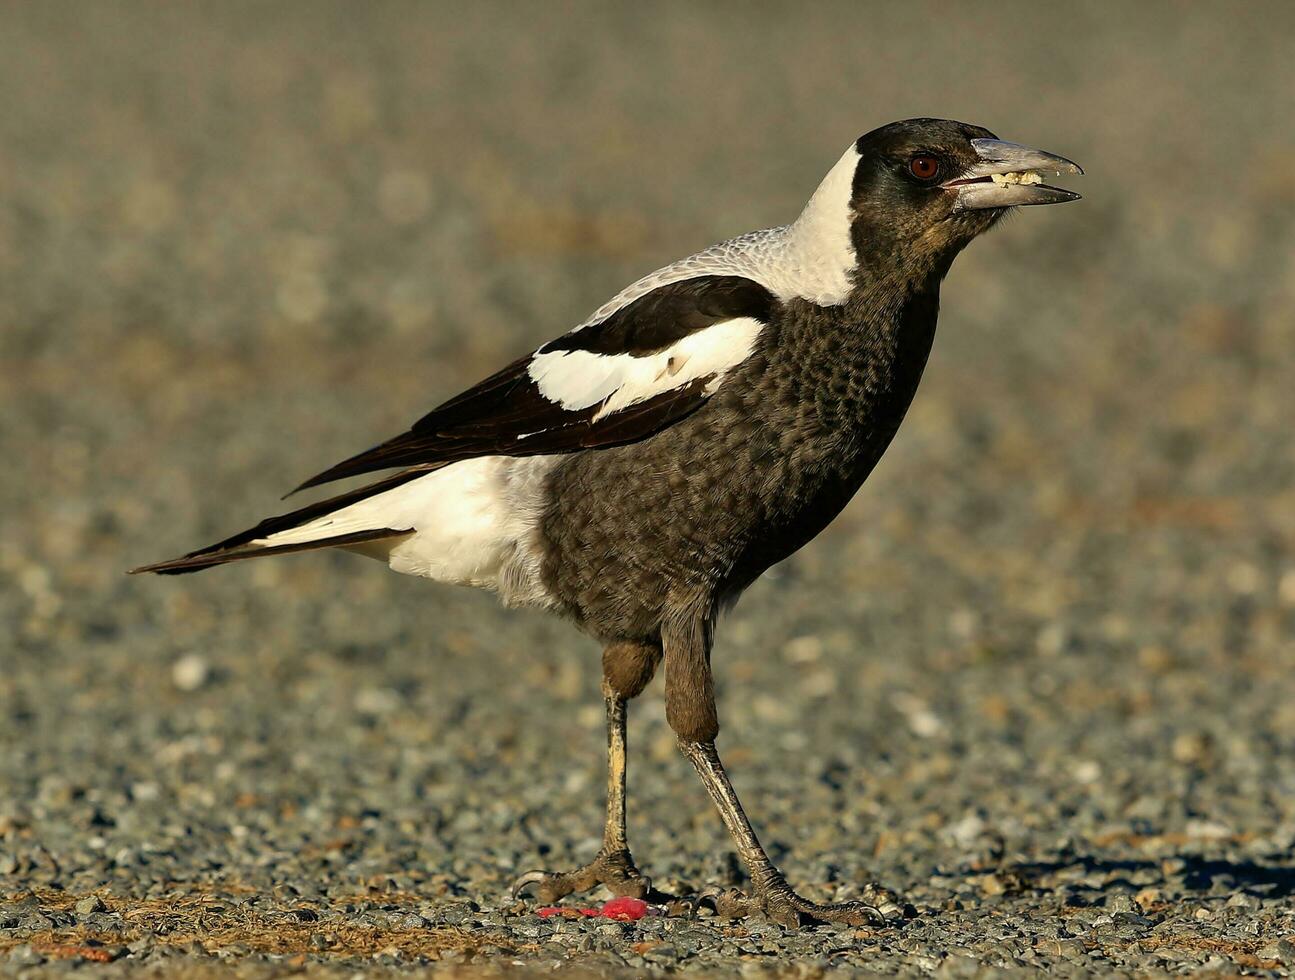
(613, 870)
(782, 905)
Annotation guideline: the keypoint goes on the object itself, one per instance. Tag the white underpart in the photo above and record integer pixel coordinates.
(812, 258)
(580, 379)
(474, 523)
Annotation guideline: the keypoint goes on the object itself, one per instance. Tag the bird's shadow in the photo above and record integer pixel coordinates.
(1198, 873)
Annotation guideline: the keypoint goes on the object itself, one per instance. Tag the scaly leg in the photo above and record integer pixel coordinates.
(772, 895)
(613, 867)
(690, 710)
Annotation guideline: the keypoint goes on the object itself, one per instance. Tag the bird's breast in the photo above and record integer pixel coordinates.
(704, 506)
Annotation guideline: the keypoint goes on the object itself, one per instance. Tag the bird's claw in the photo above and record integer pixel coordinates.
(782, 905)
(686, 906)
(709, 897)
(525, 881)
(614, 870)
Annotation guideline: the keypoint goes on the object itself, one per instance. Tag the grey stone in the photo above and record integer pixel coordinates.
(1283, 951)
(89, 905)
(24, 955)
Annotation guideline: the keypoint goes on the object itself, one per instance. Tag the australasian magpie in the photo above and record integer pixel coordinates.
(638, 472)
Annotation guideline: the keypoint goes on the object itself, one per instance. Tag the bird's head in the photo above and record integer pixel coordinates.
(921, 189)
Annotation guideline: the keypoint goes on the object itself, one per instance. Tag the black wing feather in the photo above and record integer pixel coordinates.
(505, 415)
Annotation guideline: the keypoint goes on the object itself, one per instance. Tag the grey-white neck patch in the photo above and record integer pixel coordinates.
(811, 259)
(819, 253)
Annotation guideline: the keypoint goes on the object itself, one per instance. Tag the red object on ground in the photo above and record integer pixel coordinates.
(620, 909)
(563, 913)
(625, 909)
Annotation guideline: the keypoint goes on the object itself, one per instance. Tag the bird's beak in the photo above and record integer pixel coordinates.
(1010, 175)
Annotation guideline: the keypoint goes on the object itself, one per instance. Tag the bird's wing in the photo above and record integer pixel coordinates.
(619, 379)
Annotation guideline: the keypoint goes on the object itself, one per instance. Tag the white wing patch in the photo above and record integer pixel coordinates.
(579, 379)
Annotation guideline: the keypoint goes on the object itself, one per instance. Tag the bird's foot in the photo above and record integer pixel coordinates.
(778, 903)
(613, 869)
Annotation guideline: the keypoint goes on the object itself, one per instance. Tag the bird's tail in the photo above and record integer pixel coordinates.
(338, 522)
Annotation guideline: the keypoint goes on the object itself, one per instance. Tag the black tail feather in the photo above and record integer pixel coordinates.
(236, 548)
(199, 560)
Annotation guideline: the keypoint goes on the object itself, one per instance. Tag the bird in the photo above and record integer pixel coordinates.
(637, 473)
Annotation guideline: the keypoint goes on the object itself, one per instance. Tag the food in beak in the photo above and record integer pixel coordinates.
(1017, 177)
(1010, 175)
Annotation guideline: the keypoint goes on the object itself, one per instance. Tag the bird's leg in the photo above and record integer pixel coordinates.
(613, 866)
(771, 893)
(690, 710)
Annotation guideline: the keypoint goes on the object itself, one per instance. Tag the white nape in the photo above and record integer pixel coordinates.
(812, 258)
(819, 245)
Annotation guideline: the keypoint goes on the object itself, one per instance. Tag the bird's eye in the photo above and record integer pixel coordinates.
(924, 166)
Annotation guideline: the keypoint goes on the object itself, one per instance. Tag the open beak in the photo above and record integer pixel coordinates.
(1009, 175)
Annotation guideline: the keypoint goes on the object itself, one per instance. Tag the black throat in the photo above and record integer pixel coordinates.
(885, 330)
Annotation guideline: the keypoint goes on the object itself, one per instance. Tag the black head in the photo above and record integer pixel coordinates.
(924, 188)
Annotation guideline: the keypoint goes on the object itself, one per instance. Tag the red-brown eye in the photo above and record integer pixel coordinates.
(924, 166)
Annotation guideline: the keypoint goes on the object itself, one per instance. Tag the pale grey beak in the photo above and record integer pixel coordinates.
(1010, 175)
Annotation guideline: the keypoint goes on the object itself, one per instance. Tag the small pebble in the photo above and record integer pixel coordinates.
(89, 905)
(190, 672)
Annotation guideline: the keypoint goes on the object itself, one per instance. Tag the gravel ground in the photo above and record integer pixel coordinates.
(1037, 679)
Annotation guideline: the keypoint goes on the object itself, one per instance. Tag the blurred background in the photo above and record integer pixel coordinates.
(240, 241)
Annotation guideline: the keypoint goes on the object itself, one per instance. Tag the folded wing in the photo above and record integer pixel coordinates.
(638, 370)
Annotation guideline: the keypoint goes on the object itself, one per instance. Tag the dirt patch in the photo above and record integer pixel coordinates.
(198, 921)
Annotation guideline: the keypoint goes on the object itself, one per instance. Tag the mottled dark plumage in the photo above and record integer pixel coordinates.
(639, 472)
(695, 513)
